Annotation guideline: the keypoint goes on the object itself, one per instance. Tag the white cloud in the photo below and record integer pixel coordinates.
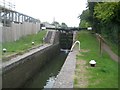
(63, 10)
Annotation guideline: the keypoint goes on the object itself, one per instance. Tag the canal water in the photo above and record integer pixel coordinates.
(47, 75)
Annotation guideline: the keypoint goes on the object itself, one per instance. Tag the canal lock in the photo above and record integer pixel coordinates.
(42, 76)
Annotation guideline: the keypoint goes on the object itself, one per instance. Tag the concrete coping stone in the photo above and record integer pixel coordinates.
(19, 57)
(65, 78)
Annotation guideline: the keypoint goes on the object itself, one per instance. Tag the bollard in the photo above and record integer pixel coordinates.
(33, 43)
(4, 50)
(92, 63)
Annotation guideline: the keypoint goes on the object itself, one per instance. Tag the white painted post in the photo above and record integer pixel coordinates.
(1, 25)
(75, 44)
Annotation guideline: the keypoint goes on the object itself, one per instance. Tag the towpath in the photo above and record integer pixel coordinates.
(110, 52)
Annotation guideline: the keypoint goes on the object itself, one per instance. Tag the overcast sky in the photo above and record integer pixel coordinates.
(62, 10)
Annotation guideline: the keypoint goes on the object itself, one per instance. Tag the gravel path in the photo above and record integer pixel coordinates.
(106, 47)
(65, 78)
(110, 52)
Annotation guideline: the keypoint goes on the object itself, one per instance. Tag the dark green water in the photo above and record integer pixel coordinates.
(47, 75)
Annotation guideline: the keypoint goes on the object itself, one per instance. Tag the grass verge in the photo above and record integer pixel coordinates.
(105, 74)
(23, 43)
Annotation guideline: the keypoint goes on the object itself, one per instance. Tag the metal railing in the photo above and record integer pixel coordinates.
(8, 14)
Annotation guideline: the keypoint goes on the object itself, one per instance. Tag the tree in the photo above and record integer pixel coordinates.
(84, 24)
(107, 12)
(56, 24)
(64, 25)
(84, 18)
(104, 17)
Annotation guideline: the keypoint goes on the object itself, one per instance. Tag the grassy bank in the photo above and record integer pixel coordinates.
(105, 74)
(24, 43)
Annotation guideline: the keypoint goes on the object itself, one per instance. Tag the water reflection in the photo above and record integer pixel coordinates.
(50, 82)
